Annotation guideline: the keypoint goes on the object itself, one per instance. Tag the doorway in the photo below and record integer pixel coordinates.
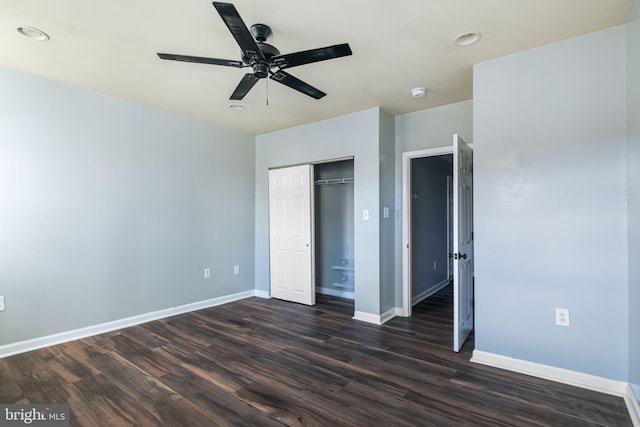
(431, 233)
(462, 222)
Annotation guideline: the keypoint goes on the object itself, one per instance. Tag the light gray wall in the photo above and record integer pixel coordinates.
(353, 135)
(633, 139)
(429, 220)
(551, 204)
(424, 129)
(109, 209)
(387, 199)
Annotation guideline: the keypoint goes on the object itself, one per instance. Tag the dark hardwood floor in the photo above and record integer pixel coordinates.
(271, 363)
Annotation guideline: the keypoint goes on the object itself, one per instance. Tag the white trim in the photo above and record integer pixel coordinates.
(376, 319)
(632, 406)
(450, 225)
(401, 312)
(262, 294)
(62, 337)
(406, 218)
(336, 293)
(565, 376)
(363, 316)
(388, 315)
(432, 290)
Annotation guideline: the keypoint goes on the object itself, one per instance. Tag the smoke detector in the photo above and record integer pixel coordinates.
(418, 92)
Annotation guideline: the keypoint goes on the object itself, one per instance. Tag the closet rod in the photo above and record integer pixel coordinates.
(334, 181)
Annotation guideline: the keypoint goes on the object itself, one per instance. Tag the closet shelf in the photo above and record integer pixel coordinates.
(342, 285)
(334, 181)
(342, 268)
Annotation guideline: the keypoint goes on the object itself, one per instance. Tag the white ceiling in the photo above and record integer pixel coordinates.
(110, 47)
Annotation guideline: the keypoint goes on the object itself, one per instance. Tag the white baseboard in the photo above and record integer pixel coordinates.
(262, 294)
(376, 319)
(565, 376)
(632, 406)
(367, 317)
(388, 315)
(62, 337)
(426, 294)
(336, 293)
(401, 312)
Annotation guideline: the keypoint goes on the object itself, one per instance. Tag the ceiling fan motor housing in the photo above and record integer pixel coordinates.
(261, 68)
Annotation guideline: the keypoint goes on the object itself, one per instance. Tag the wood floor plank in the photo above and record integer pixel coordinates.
(265, 362)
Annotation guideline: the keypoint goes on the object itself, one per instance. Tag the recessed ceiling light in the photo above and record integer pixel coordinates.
(418, 92)
(466, 39)
(33, 33)
(236, 106)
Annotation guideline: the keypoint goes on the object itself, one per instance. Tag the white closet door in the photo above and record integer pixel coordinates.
(462, 241)
(291, 234)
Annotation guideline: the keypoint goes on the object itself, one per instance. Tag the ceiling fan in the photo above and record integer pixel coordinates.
(264, 59)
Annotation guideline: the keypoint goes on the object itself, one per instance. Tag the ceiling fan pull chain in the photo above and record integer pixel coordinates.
(267, 92)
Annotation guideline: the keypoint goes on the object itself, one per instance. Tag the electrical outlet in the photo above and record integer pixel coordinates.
(562, 317)
(2, 306)
(207, 273)
(385, 212)
(435, 265)
(365, 215)
(236, 269)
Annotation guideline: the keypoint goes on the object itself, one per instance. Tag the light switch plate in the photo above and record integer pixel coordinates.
(2, 306)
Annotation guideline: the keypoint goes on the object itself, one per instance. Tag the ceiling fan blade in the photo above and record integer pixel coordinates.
(297, 84)
(314, 55)
(239, 30)
(201, 60)
(245, 85)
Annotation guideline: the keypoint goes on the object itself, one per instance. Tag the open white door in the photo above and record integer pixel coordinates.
(290, 234)
(462, 241)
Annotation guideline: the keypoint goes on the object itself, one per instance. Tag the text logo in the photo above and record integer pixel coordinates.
(41, 415)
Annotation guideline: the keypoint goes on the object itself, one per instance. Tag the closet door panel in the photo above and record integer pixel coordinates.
(290, 234)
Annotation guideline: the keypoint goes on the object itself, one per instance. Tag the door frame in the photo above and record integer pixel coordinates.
(406, 219)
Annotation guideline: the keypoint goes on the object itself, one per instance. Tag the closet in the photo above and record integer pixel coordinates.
(334, 228)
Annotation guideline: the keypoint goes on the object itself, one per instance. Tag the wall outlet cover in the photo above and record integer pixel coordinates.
(562, 317)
